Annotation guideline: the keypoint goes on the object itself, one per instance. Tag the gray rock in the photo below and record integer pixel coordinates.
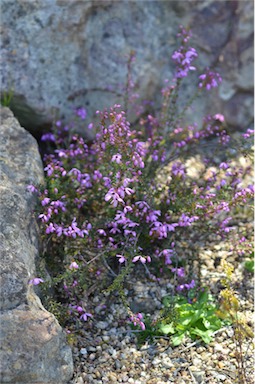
(60, 54)
(102, 324)
(33, 345)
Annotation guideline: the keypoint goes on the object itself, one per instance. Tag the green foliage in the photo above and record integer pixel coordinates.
(57, 309)
(181, 317)
(249, 264)
(6, 98)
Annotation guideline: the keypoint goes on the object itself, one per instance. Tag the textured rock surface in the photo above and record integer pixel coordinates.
(59, 54)
(33, 347)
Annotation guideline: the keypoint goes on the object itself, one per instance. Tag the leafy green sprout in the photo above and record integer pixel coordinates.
(6, 98)
(194, 317)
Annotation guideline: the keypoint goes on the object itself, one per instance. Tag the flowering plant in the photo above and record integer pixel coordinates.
(130, 200)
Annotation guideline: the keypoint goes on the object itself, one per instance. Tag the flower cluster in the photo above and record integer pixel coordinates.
(105, 197)
(184, 56)
(209, 79)
(136, 319)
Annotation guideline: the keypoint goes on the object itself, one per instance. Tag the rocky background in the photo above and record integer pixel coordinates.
(33, 345)
(61, 54)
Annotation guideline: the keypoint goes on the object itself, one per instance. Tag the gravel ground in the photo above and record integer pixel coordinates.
(107, 351)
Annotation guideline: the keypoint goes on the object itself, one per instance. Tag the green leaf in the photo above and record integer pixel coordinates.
(249, 266)
(206, 323)
(177, 339)
(167, 328)
(206, 336)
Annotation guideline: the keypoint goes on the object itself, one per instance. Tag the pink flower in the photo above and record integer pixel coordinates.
(116, 158)
(219, 117)
(101, 232)
(114, 196)
(137, 320)
(141, 258)
(32, 188)
(36, 281)
(73, 265)
(122, 259)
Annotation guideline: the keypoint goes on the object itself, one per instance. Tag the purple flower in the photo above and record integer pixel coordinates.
(122, 191)
(59, 230)
(210, 80)
(142, 205)
(32, 188)
(49, 169)
(78, 308)
(167, 253)
(58, 204)
(48, 137)
(137, 160)
(137, 320)
(36, 281)
(73, 230)
(186, 221)
(171, 227)
(114, 197)
(248, 133)
(44, 218)
(178, 169)
(191, 285)
(179, 271)
(97, 175)
(152, 216)
(223, 166)
(61, 153)
(116, 158)
(85, 316)
(81, 112)
(50, 229)
(183, 57)
(101, 232)
(45, 201)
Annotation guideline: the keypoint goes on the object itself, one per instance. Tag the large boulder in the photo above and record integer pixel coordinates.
(33, 345)
(60, 54)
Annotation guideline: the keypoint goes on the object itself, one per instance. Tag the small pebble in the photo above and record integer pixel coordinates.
(218, 348)
(83, 351)
(196, 362)
(156, 361)
(102, 324)
(98, 374)
(117, 364)
(91, 349)
(167, 363)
